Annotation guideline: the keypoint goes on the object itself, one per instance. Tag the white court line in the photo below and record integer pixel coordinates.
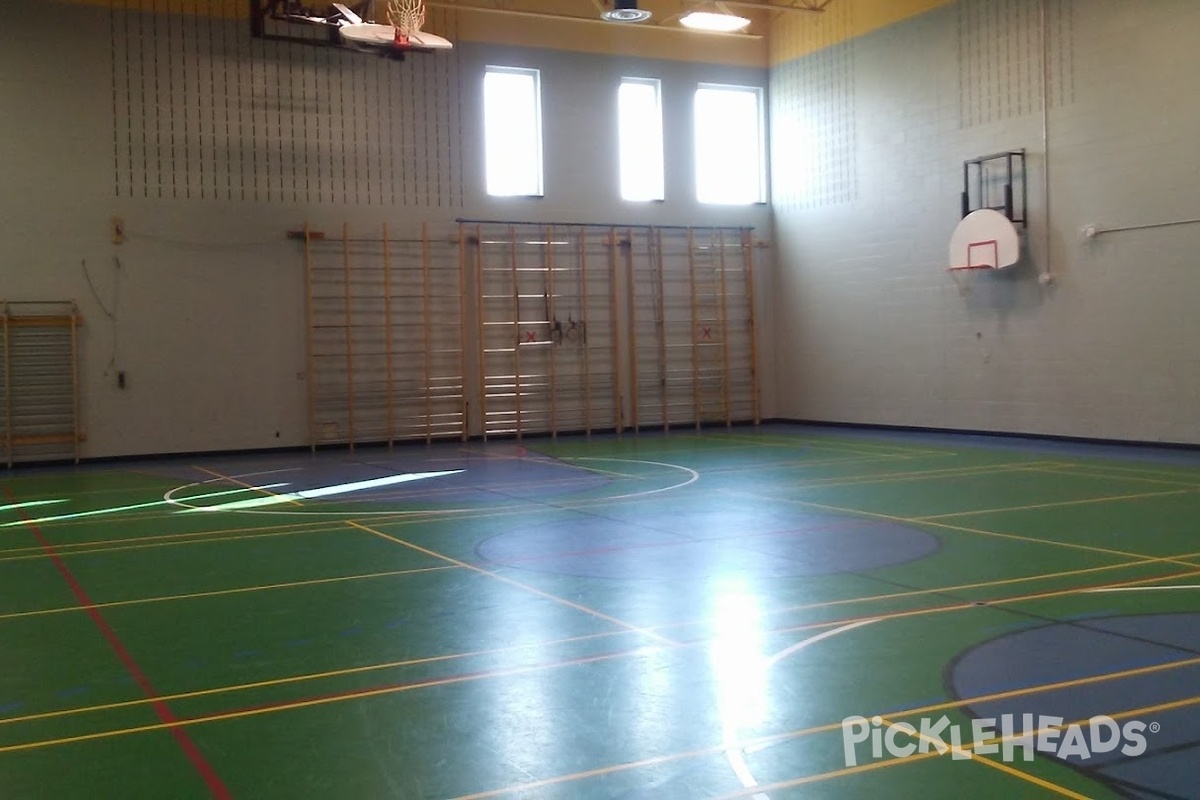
(829, 634)
(735, 755)
(325, 491)
(30, 504)
(692, 477)
(1192, 586)
(119, 509)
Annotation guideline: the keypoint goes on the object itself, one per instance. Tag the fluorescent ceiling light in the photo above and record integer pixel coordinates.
(717, 23)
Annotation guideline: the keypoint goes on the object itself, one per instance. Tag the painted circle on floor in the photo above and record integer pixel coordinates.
(1111, 666)
(431, 487)
(675, 544)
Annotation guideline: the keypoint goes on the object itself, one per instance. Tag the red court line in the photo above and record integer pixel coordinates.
(215, 785)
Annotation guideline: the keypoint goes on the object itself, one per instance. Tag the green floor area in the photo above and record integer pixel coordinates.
(774, 612)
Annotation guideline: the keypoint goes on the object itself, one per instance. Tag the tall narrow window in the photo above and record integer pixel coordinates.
(512, 131)
(639, 115)
(730, 168)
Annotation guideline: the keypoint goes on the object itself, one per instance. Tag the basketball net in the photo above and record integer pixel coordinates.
(407, 17)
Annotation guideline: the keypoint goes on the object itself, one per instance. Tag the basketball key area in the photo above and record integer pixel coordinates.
(751, 612)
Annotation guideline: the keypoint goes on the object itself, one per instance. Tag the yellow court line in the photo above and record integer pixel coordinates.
(980, 470)
(305, 677)
(764, 788)
(219, 592)
(687, 447)
(967, 605)
(1080, 471)
(803, 441)
(1025, 776)
(798, 465)
(208, 539)
(511, 582)
(768, 740)
(1055, 542)
(979, 531)
(431, 492)
(251, 486)
(762, 742)
(1055, 504)
(319, 701)
(959, 587)
(1166, 471)
(673, 625)
(1005, 768)
(546, 643)
(314, 526)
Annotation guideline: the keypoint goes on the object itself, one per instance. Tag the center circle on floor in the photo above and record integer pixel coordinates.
(671, 545)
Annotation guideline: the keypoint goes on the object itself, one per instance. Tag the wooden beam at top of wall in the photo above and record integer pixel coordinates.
(795, 35)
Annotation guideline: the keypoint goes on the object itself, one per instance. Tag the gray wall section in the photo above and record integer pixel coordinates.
(868, 143)
(210, 146)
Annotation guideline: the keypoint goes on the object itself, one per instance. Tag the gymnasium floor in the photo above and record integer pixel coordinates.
(689, 615)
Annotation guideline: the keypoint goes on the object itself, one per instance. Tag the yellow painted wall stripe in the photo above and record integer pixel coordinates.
(796, 35)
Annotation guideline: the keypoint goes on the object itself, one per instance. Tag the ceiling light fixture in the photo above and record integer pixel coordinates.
(625, 11)
(713, 22)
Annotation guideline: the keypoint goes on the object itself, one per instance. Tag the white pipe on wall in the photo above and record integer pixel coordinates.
(1045, 276)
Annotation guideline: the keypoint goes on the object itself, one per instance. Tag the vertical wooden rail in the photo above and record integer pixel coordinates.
(631, 307)
(387, 329)
(548, 238)
(748, 261)
(309, 374)
(75, 381)
(656, 259)
(346, 294)
(8, 415)
(697, 408)
(464, 406)
(426, 337)
(618, 409)
(516, 290)
(721, 289)
(583, 316)
(482, 367)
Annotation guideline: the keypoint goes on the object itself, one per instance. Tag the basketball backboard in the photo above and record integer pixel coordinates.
(984, 239)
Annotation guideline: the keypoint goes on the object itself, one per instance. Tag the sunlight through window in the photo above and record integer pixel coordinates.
(639, 112)
(729, 145)
(512, 123)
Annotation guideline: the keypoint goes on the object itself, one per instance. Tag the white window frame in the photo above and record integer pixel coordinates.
(708, 157)
(641, 153)
(497, 144)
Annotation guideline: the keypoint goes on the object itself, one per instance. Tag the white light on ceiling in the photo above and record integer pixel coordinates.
(625, 11)
(716, 23)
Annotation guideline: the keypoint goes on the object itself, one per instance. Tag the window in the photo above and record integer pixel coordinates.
(729, 145)
(640, 136)
(512, 131)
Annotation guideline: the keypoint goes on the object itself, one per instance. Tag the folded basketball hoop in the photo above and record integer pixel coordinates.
(984, 239)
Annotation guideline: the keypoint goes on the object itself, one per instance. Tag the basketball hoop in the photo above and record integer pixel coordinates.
(401, 34)
(985, 263)
(407, 17)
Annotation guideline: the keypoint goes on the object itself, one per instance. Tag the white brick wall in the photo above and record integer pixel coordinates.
(872, 329)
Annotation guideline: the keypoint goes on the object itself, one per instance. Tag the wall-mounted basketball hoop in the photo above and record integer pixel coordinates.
(996, 182)
(347, 25)
(984, 239)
